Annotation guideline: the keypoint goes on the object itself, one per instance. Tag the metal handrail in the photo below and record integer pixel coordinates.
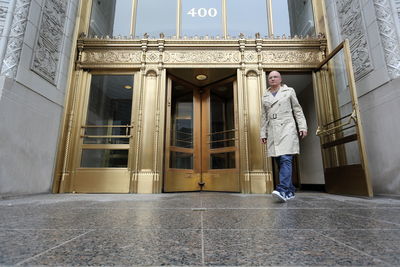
(106, 126)
(320, 131)
(227, 131)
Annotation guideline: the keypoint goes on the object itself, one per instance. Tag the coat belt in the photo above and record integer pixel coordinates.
(280, 115)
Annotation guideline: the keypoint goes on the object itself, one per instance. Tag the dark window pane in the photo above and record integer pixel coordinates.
(223, 160)
(104, 158)
(179, 160)
(110, 102)
(156, 16)
(111, 17)
(182, 116)
(222, 120)
(247, 17)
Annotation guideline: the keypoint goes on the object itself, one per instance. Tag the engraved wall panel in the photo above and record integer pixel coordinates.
(397, 3)
(352, 27)
(47, 51)
(389, 36)
(16, 38)
(4, 7)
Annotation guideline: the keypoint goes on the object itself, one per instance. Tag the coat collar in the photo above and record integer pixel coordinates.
(279, 94)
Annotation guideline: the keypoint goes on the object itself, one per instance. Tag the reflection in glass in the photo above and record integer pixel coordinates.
(346, 149)
(180, 160)
(222, 121)
(293, 17)
(201, 18)
(111, 17)
(104, 158)
(110, 103)
(108, 118)
(182, 116)
(156, 16)
(247, 17)
(222, 160)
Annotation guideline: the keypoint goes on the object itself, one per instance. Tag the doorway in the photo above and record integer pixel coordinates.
(201, 151)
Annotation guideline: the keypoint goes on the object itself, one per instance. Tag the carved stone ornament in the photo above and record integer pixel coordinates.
(202, 57)
(47, 51)
(152, 56)
(250, 56)
(16, 38)
(353, 28)
(389, 37)
(4, 5)
(98, 57)
(290, 57)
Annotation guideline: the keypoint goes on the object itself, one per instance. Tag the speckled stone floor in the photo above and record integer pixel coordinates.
(198, 229)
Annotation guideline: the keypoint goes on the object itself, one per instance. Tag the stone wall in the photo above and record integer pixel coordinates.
(34, 74)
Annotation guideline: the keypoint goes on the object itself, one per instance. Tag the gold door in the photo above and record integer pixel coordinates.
(105, 136)
(340, 129)
(201, 139)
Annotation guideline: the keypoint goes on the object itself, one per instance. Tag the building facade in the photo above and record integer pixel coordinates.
(150, 96)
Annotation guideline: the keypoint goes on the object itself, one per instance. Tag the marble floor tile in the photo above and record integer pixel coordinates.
(166, 202)
(127, 248)
(199, 229)
(110, 218)
(245, 201)
(379, 214)
(288, 219)
(19, 245)
(382, 244)
(279, 248)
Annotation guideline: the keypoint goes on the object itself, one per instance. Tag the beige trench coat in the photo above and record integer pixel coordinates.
(278, 123)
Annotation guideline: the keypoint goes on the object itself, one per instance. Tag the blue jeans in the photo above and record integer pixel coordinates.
(285, 174)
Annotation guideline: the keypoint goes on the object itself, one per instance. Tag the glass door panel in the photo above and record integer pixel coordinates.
(201, 151)
(106, 135)
(340, 131)
(219, 146)
(183, 126)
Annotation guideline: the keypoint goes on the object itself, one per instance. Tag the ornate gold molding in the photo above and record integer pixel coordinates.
(291, 57)
(109, 56)
(120, 53)
(199, 56)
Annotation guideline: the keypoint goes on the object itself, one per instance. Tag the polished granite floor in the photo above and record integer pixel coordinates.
(198, 229)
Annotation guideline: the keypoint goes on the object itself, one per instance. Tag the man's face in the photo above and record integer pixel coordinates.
(274, 78)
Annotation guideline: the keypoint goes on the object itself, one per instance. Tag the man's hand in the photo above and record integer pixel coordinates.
(263, 141)
(303, 134)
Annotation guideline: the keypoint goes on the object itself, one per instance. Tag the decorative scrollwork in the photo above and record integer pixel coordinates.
(111, 57)
(202, 57)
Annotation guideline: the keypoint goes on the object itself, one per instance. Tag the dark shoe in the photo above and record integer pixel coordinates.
(279, 196)
(290, 196)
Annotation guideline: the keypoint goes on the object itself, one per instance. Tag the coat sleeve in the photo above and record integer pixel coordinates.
(298, 112)
(264, 121)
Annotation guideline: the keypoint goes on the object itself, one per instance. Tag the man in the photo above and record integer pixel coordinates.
(280, 112)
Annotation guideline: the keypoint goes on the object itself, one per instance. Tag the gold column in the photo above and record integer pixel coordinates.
(150, 145)
(259, 173)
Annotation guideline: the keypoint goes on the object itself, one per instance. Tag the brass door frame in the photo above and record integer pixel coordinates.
(98, 180)
(189, 178)
(331, 130)
(216, 179)
(200, 177)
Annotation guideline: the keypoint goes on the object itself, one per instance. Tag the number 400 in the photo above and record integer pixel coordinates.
(203, 12)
